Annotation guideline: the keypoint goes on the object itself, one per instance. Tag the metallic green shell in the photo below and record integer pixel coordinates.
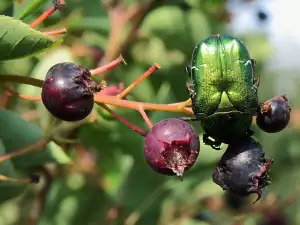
(221, 77)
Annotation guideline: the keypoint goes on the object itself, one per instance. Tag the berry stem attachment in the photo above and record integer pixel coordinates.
(151, 70)
(109, 66)
(145, 117)
(56, 32)
(124, 121)
(44, 16)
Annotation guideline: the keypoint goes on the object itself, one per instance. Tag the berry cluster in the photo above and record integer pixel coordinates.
(171, 146)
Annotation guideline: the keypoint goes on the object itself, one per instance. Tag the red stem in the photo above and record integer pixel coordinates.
(25, 97)
(145, 117)
(109, 66)
(124, 121)
(44, 16)
(56, 32)
(151, 70)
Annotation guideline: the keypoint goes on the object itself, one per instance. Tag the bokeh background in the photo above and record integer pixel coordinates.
(109, 181)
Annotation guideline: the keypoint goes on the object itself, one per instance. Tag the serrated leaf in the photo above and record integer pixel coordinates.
(19, 40)
(8, 190)
(17, 133)
(34, 6)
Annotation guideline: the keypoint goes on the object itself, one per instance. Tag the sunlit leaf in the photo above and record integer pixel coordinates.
(18, 40)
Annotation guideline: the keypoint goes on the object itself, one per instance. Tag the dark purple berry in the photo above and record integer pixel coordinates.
(274, 114)
(243, 169)
(172, 147)
(68, 92)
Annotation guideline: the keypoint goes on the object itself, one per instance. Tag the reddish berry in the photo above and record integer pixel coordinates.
(172, 147)
(67, 92)
(274, 115)
(243, 169)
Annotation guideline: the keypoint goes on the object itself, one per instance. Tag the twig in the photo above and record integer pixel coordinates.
(124, 121)
(109, 66)
(39, 204)
(44, 16)
(151, 70)
(145, 204)
(41, 143)
(119, 18)
(56, 32)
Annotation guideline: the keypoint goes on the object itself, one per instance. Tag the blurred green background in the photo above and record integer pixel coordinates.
(109, 181)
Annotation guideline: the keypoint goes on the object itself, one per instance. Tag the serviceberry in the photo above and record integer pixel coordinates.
(274, 114)
(172, 147)
(68, 91)
(243, 169)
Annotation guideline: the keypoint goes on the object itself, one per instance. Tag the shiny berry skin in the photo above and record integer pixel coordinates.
(67, 92)
(172, 147)
(243, 169)
(274, 115)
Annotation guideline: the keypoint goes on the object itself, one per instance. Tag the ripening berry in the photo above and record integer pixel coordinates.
(243, 169)
(274, 115)
(67, 92)
(172, 147)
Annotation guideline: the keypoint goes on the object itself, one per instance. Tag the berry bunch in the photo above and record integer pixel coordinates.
(172, 145)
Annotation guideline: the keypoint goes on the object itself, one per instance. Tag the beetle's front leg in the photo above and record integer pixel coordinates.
(214, 144)
(188, 70)
(193, 118)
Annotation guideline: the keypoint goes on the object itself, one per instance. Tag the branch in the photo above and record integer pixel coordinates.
(119, 18)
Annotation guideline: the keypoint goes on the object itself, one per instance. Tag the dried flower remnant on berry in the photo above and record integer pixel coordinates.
(172, 147)
(274, 114)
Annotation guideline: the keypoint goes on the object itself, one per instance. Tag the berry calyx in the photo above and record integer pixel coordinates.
(172, 147)
(68, 91)
(274, 114)
(243, 169)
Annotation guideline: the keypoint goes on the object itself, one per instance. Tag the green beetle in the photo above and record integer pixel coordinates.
(223, 89)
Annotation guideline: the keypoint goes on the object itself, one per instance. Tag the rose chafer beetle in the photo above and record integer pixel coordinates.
(223, 89)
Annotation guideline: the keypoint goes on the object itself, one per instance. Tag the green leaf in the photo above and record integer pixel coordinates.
(75, 201)
(17, 133)
(34, 6)
(8, 190)
(4, 4)
(19, 40)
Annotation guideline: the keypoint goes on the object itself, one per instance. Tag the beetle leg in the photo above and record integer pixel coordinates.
(191, 89)
(214, 144)
(193, 118)
(256, 82)
(188, 70)
(253, 62)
